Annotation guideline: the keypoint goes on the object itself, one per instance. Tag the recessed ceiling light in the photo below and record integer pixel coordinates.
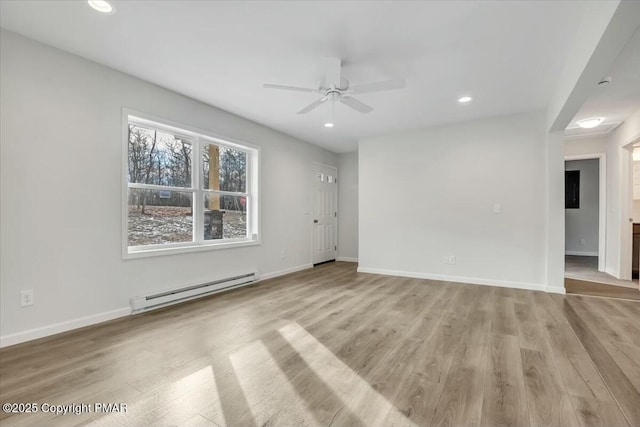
(590, 123)
(328, 125)
(464, 99)
(101, 5)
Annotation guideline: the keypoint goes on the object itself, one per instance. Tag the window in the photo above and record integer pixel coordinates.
(187, 191)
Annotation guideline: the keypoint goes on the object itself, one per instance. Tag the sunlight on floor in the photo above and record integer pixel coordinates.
(265, 387)
(174, 404)
(356, 394)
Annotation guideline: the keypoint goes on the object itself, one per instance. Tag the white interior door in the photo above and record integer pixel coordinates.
(325, 213)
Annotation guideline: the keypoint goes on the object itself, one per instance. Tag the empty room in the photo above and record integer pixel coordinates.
(319, 213)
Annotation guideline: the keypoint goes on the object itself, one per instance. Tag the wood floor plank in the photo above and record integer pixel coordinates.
(625, 355)
(435, 361)
(580, 376)
(614, 328)
(631, 310)
(625, 394)
(417, 397)
(505, 402)
(461, 399)
(548, 307)
(595, 413)
(504, 317)
(198, 421)
(386, 379)
(530, 331)
(549, 404)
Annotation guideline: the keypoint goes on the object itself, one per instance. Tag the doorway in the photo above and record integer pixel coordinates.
(585, 268)
(325, 213)
(585, 215)
(634, 208)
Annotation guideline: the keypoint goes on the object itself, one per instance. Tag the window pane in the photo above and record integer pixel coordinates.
(158, 217)
(158, 158)
(225, 217)
(224, 169)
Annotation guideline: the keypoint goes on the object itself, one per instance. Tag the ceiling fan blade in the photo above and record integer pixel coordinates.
(355, 104)
(313, 105)
(331, 68)
(378, 86)
(293, 88)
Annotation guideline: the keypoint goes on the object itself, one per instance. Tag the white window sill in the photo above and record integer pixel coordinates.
(174, 250)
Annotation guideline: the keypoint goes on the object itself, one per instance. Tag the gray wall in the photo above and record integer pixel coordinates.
(582, 224)
(348, 206)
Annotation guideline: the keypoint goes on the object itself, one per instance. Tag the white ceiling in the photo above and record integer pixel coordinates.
(619, 99)
(506, 55)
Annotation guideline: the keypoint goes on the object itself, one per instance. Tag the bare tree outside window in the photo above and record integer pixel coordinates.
(161, 192)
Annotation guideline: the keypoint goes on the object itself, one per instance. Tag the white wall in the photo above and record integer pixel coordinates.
(583, 223)
(348, 206)
(61, 121)
(428, 193)
(585, 145)
(554, 224)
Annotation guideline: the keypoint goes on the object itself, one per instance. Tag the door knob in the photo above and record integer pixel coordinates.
(315, 221)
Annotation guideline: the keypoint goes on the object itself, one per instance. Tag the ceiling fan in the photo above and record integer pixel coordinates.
(336, 88)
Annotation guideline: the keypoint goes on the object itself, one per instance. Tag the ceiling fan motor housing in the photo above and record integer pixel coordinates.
(333, 95)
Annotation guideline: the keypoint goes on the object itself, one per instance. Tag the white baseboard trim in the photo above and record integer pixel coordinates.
(577, 253)
(346, 259)
(273, 274)
(458, 279)
(68, 325)
(555, 290)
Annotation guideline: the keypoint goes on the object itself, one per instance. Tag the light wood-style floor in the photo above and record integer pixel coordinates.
(581, 287)
(585, 268)
(330, 346)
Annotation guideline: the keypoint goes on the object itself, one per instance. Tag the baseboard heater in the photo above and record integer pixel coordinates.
(162, 299)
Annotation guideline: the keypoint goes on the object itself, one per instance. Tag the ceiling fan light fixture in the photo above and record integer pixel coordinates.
(590, 122)
(102, 6)
(335, 88)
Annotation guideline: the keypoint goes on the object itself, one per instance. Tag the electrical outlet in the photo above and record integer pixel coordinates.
(449, 259)
(582, 242)
(283, 254)
(26, 297)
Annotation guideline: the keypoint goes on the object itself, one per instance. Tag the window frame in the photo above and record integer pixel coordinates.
(198, 139)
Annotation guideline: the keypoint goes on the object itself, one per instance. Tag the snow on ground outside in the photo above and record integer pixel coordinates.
(168, 224)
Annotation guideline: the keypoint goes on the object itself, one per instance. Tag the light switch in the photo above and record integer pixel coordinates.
(497, 208)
